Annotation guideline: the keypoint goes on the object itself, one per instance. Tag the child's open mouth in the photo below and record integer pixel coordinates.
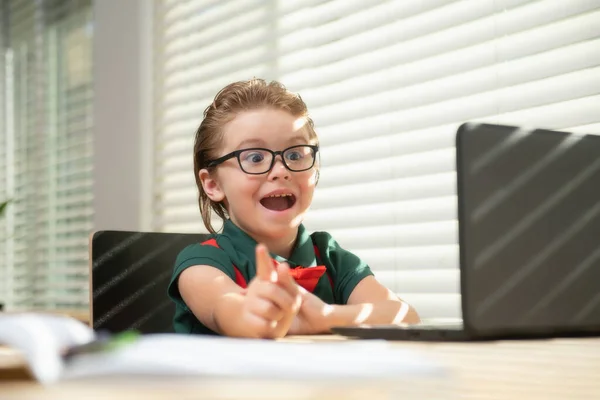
(278, 202)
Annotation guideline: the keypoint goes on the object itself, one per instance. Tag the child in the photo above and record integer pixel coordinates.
(256, 166)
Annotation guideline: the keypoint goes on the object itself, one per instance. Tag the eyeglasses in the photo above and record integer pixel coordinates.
(257, 161)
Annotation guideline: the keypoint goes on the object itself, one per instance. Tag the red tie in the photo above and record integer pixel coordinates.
(307, 277)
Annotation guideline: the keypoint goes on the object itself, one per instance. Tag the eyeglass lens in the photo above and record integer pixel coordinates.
(256, 161)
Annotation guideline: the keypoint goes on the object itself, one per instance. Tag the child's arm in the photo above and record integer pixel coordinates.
(373, 303)
(369, 303)
(265, 309)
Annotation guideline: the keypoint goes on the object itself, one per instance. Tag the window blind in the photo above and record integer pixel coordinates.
(387, 84)
(3, 153)
(46, 154)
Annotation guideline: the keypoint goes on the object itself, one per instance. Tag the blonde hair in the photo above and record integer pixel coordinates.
(230, 101)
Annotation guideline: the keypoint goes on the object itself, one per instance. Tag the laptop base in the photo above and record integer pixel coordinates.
(455, 334)
(415, 333)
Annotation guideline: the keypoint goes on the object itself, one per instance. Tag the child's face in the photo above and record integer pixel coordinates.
(249, 199)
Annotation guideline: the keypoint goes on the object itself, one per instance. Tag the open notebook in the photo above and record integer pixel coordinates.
(59, 348)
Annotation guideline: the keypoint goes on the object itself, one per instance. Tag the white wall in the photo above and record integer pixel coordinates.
(122, 114)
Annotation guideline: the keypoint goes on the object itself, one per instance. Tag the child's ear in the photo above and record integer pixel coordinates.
(211, 186)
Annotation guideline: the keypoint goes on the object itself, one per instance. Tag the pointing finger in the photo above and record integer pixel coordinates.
(287, 282)
(264, 266)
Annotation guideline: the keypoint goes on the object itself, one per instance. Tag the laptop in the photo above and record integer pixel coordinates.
(529, 238)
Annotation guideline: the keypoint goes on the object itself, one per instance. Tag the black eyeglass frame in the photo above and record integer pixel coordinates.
(236, 154)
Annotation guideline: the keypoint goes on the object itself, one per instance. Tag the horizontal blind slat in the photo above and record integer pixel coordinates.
(467, 67)
(434, 305)
(429, 281)
(465, 92)
(462, 14)
(463, 45)
(371, 192)
(421, 234)
(438, 257)
(382, 214)
(475, 108)
(410, 165)
(193, 15)
(335, 20)
(250, 29)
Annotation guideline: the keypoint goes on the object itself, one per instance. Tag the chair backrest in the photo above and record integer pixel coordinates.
(129, 276)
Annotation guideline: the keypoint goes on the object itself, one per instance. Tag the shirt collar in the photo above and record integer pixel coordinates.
(303, 253)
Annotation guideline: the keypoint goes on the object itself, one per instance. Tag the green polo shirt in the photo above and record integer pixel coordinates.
(235, 247)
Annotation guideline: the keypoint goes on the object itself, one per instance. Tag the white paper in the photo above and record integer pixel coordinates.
(42, 338)
(171, 354)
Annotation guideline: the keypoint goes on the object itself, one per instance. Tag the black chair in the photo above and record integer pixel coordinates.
(129, 275)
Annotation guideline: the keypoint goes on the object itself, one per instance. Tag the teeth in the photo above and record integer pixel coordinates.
(280, 195)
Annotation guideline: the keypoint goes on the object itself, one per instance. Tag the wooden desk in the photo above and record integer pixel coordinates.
(545, 369)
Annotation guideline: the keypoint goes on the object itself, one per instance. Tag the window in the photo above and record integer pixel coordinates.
(45, 153)
(387, 84)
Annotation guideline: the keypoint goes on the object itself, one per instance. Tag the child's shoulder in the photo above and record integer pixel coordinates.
(325, 241)
(347, 268)
(321, 237)
(206, 248)
(206, 252)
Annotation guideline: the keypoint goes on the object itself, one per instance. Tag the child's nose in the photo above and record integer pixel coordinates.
(279, 170)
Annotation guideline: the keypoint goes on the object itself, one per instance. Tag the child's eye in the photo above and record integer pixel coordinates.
(294, 156)
(254, 157)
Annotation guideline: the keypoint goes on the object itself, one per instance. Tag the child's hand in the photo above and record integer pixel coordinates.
(272, 299)
(312, 318)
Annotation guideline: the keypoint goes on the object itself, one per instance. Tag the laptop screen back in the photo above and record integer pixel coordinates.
(529, 207)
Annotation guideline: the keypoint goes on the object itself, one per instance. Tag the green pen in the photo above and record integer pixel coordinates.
(103, 343)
